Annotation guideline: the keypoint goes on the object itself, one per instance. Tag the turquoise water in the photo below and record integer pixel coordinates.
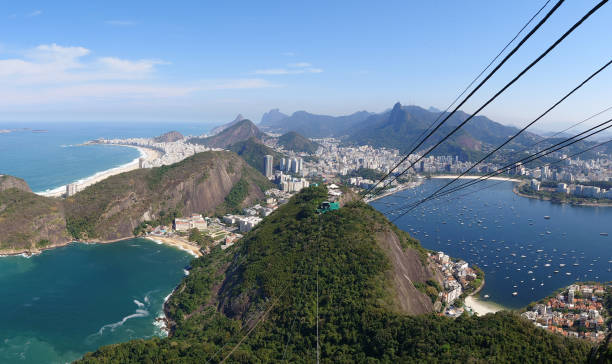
(54, 158)
(508, 237)
(58, 305)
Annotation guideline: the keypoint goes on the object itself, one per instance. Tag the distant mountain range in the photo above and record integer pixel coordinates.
(311, 125)
(403, 125)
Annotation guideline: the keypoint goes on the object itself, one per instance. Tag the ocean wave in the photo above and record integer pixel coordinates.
(141, 311)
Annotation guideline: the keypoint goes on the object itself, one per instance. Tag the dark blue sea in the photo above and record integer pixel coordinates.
(510, 239)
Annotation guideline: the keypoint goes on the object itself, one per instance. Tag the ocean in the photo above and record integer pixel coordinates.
(47, 160)
(56, 306)
(510, 239)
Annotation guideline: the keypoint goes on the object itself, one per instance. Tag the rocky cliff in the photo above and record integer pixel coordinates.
(7, 182)
(112, 208)
(30, 222)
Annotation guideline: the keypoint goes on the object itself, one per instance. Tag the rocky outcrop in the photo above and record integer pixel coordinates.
(238, 132)
(169, 137)
(30, 222)
(7, 182)
(220, 128)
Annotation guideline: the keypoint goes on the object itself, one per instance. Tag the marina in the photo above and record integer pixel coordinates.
(527, 248)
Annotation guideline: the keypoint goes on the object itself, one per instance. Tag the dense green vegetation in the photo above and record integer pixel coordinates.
(30, 221)
(368, 173)
(273, 272)
(236, 195)
(297, 143)
(253, 152)
(201, 239)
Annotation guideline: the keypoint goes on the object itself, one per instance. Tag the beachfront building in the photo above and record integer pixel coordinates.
(195, 221)
(71, 189)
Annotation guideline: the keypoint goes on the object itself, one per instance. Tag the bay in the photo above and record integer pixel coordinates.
(510, 239)
(58, 305)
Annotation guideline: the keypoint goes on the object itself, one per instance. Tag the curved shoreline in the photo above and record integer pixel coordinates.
(148, 154)
(176, 243)
(588, 204)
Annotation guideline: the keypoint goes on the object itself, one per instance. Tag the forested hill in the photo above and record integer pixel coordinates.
(257, 301)
(237, 132)
(297, 143)
(253, 152)
(210, 182)
(114, 207)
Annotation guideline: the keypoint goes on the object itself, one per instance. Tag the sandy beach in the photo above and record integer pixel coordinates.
(476, 177)
(481, 307)
(178, 243)
(146, 153)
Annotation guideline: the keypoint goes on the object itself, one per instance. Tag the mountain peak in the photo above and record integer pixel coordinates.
(238, 118)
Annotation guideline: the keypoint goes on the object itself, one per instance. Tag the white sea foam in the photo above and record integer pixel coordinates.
(139, 304)
(61, 189)
(113, 326)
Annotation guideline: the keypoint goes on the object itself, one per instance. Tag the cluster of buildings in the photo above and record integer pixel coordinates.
(574, 190)
(288, 183)
(457, 276)
(578, 311)
(171, 152)
(332, 159)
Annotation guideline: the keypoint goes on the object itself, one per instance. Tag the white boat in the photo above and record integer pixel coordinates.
(514, 293)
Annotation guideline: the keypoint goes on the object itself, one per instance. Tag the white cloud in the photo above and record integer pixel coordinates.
(34, 13)
(299, 65)
(126, 66)
(121, 23)
(52, 73)
(291, 69)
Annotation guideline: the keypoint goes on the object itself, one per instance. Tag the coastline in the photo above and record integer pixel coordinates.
(177, 243)
(395, 190)
(191, 249)
(481, 307)
(147, 153)
(589, 204)
(445, 176)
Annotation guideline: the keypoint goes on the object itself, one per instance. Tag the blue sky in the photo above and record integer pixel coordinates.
(208, 61)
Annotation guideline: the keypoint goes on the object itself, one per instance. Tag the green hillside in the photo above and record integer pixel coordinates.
(253, 152)
(297, 143)
(114, 207)
(266, 286)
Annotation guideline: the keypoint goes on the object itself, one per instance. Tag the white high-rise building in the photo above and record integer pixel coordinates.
(268, 166)
(71, 189)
